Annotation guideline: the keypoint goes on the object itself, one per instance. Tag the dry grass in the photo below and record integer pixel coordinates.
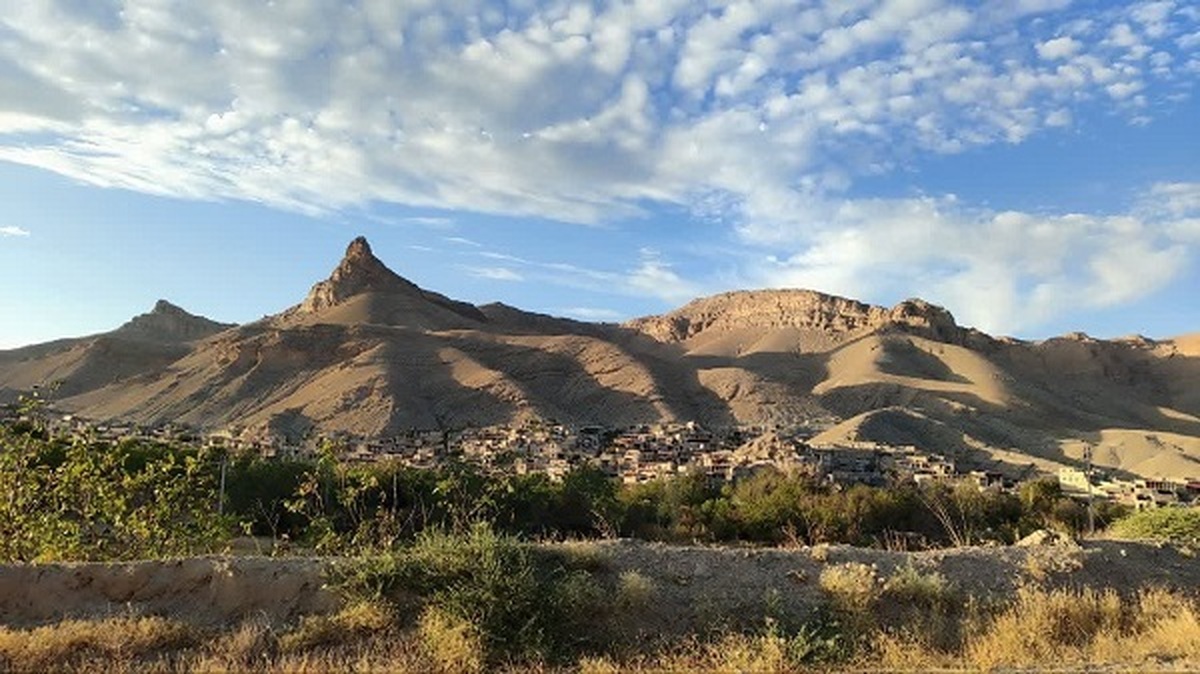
(634, 591)
(852, 587)
(1156, 629)
(357, 620)
(83, 643)
(451, 643)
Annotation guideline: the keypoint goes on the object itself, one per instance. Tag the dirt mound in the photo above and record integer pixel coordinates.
(691, 588)
(696, 588)
(204, 590)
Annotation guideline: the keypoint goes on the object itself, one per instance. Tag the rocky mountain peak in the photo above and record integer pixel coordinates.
(924, 317)
(359, 249)
(761, 309)
(163, 307)
(167, 322)
(358, 272)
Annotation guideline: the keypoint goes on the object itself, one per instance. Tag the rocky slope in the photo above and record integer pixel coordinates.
(369, 352)
(144, 345)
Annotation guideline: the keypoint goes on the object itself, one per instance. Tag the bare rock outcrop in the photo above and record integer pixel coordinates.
(168, 323)
(763, 309)
(360, 273)
(806, 309)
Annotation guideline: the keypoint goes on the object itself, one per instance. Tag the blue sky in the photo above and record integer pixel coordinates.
(1029, 164)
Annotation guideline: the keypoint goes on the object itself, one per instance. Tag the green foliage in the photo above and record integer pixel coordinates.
(1178, 525)
(83, 500)
(521, 602)
(338, 506)
(257, 490)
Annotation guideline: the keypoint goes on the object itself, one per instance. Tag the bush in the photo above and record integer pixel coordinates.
(520, 602)
(1177, 525)
(84, 500)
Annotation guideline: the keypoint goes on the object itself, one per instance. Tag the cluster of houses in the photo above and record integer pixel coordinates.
(1137, 493)
(644, 453)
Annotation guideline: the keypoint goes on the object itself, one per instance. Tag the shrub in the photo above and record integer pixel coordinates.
(521, 603)
(910, 586)
(83, 500)
(1177, 525)
(453, 644)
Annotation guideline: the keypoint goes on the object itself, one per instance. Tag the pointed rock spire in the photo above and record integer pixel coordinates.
(358, 249)
(358, 272)
(164, 307)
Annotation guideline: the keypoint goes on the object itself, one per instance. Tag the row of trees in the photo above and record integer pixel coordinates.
(380, 503)
(78, 499)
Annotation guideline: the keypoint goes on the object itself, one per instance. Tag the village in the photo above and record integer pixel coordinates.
(643, 453)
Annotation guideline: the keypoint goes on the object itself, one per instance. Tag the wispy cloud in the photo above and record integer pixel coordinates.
(12, 230)
(595, 314)
(554, 110)
(495, 273)
(431, 221)
(758, 114)
(653, 276)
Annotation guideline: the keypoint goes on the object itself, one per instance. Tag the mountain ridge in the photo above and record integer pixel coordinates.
(369, 352)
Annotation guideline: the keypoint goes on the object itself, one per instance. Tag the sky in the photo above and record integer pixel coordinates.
(1031, 165)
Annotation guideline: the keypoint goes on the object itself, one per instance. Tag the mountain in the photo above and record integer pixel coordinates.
(144, 345)
(370, 352)
(362, 290)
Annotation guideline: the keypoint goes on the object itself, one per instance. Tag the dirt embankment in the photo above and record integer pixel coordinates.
(692, 587)
(202, 590)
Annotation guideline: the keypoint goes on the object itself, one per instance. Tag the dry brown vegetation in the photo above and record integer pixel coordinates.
(1154, 630)
(872, 616)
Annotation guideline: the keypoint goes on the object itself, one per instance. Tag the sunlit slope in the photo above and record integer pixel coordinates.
(145, 344)
(369, 352)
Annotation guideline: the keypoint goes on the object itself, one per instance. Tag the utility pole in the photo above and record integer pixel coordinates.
(221, 501)
(1087, 455)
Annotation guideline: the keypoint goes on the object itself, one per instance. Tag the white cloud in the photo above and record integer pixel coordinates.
(999, 271)
(595, 314)
(1058, 48)
(12, 230)
(1175, 199)
(556, 110)
(1178, 205)
(494, 273)
(755, 113)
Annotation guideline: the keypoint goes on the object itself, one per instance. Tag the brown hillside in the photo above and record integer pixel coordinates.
(370, 352)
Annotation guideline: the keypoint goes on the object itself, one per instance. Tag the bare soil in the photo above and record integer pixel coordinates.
(690, 588)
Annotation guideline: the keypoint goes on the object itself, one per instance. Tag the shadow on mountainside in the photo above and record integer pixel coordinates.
(677, 375)
(426, 395)
(556, 385)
